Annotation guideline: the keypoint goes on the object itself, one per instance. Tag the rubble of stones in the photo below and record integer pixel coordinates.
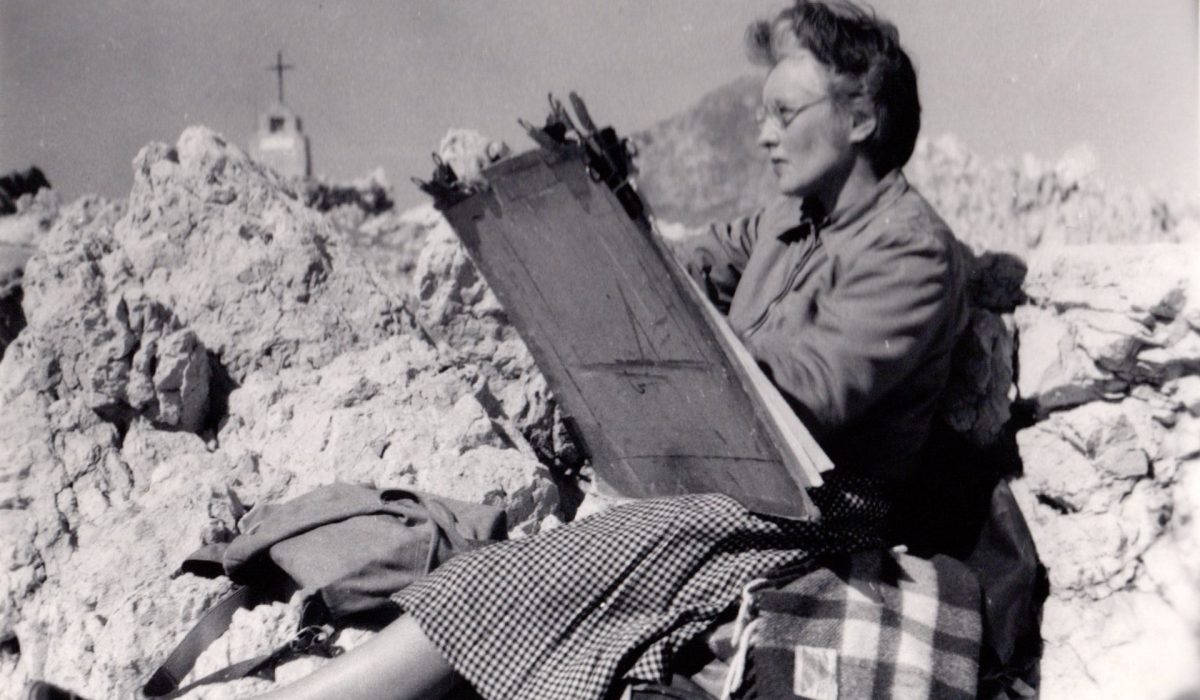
(216, 337)
(213, 335)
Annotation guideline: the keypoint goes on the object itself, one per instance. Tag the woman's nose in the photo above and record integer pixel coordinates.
(768, 135)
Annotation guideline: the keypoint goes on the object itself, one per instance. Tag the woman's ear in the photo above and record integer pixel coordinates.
(863, 123)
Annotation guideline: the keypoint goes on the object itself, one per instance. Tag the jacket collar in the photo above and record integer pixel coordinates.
(810, 217)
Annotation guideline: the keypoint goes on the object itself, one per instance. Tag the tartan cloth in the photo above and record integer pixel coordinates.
(583, 609)
(872, 625)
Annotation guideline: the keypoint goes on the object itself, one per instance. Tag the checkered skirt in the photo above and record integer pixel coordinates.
(578, 611)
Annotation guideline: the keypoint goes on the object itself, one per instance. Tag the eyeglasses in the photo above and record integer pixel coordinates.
(781, 116)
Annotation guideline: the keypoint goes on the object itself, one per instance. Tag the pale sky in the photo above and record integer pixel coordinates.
(85, 83)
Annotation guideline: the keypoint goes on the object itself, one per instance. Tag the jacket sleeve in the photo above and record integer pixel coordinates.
(866, 334)
(716, 255)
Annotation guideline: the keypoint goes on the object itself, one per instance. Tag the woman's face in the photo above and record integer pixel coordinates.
(806, 138)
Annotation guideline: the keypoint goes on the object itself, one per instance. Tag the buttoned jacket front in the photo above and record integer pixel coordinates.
(854, 318)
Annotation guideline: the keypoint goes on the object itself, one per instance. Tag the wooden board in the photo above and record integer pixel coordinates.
(661, 401)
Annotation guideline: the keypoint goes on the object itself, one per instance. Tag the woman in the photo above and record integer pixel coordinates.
(848, 290)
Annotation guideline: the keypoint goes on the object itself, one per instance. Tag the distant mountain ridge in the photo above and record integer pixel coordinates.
(703, 164)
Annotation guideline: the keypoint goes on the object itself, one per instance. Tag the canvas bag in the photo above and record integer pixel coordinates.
(347, 546)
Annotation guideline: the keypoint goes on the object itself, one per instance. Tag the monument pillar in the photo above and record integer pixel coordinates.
(280, 141)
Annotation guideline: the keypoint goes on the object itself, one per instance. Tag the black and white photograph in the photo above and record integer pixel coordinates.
(628, 350)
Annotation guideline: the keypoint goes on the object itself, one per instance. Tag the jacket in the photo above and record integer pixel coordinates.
(854, 317)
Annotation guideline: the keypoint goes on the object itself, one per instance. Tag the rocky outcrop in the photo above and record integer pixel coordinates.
(460, 312)
(391, 243)
(1023, 204)
(25, 217)
(1109, 358)
(215, 340)
(1102, 320)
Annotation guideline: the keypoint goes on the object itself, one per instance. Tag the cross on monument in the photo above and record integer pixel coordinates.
(279, 68)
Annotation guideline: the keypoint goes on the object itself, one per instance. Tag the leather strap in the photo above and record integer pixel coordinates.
(309, 640)
(212, 624)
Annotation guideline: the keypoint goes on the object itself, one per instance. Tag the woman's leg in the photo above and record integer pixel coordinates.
(398, 663)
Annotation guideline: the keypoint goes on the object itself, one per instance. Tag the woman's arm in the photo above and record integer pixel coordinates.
(890, 306)
(399, 663)
(715, 256)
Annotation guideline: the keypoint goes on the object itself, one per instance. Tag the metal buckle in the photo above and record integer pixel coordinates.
(313, 639)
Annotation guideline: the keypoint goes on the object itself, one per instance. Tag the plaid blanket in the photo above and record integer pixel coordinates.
(872, 625)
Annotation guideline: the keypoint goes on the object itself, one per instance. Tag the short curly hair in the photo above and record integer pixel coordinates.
(866, 61)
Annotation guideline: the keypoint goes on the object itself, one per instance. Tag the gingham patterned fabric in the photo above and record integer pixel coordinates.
(582, 609)
(872, 625)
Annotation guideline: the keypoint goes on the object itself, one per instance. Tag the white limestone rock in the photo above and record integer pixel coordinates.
(263, 280)
(463, 316)
(1130, 645)
(1107, 357)
(216, 341)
